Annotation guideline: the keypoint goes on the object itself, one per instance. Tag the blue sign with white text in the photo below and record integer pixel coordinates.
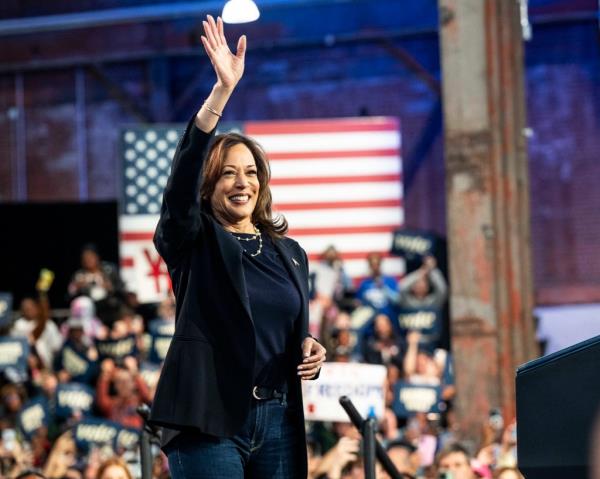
(72, 398)
(13, 355)
(33, 415)
(410, 398)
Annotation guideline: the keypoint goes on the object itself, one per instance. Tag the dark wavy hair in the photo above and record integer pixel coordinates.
(262, 216)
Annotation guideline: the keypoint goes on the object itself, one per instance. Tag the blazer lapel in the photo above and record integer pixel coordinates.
(232, 252)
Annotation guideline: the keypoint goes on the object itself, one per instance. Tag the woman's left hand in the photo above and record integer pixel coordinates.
(314, 357)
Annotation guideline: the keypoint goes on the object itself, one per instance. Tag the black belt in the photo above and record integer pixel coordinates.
(262, 393)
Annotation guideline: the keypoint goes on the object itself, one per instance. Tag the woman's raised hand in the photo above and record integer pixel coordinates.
(228, 67)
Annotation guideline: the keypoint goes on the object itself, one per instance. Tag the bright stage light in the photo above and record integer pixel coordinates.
(240, 11)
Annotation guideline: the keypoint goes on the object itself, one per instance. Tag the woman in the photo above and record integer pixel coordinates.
(229, 394)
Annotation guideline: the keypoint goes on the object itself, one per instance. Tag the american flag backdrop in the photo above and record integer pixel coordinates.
(337, 181)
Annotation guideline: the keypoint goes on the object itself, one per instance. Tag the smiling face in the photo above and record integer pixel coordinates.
(236, 191)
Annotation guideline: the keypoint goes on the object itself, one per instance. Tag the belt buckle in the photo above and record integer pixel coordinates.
(256, 396)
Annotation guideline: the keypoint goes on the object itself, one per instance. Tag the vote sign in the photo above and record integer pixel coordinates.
(362, 383)
(72, 398)
(410, 398)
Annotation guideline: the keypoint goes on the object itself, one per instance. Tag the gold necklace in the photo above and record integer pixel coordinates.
(257, 234)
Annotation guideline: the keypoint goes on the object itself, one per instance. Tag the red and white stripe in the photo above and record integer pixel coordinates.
(338, 182)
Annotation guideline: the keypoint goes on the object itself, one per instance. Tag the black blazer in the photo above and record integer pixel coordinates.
(207, 377)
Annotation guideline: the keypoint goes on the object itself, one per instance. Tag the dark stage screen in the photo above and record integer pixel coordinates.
(51, 235)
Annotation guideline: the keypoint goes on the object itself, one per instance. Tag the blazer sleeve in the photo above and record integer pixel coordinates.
(179, 222)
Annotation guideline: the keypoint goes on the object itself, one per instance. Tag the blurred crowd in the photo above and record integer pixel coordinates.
(399, 324)
(70, 389)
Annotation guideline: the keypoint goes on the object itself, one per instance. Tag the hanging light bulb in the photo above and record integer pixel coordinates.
(240, 11)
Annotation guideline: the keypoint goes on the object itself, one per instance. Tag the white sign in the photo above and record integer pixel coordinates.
(362, 383)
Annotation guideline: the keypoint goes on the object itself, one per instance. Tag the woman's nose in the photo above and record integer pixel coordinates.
(241, 180)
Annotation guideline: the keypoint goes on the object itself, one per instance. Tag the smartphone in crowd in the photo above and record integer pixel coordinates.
(9, 436)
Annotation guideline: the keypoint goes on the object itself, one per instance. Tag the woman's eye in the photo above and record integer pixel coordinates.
(228, 173)
(252, 172)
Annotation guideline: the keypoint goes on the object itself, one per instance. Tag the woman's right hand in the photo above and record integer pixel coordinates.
(228, 67)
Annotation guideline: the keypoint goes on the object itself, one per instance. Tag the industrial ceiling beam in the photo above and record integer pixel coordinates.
(116, 91)
(327, 41)
(145, 13)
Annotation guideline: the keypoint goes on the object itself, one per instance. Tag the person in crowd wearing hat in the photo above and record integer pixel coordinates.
(84, 309)
(229, 393)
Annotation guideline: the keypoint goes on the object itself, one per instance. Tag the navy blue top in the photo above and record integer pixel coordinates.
(275, 304)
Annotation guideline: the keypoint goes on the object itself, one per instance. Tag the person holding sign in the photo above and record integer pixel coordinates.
(424, 287)
(421, 366)
(131, 392)
(229, 394)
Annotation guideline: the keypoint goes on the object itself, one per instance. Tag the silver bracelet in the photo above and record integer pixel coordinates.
(212, 110)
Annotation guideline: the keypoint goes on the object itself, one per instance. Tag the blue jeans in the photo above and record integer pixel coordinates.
(266, 448)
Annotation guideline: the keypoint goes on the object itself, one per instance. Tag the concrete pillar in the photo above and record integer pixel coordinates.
(488, 203)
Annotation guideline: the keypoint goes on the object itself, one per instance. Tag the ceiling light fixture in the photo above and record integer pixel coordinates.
(240, 11)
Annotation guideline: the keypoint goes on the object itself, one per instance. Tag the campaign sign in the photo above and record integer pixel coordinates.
(150, 374)
(99, 432)
(410, 398)
(362, 383)
(162, 327)
(412, 244)
(6, 301)
(159, 347)
(428, 321)
(79, 367)
(95, 431)
(13, 354)
(127, 438)
(72, 398)
(33, 415)
(117, 349)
